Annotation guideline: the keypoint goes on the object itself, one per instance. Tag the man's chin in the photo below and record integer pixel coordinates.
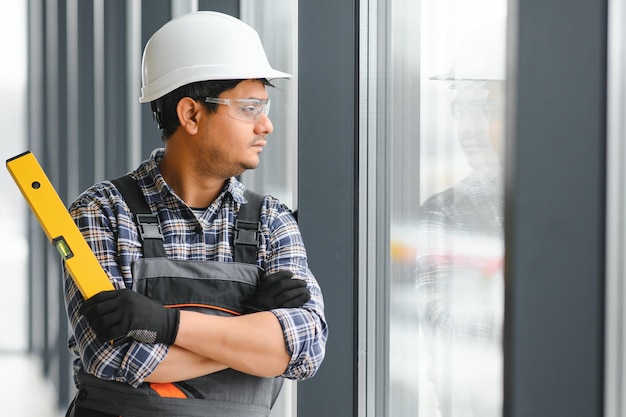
(251, 165)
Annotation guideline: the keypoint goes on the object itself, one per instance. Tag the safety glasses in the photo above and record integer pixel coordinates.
(244, 109)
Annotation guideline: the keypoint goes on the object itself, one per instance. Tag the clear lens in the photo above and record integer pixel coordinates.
(244, 109)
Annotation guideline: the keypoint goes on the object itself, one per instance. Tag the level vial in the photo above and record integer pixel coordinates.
(62, 247)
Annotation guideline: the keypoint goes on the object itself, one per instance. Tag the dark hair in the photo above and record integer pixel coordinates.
(164, 108)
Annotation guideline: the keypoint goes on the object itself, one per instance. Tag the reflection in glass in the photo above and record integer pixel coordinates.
(459, 267)
(446, 310)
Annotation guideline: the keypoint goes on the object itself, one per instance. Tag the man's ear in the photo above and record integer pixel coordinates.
(188, 111)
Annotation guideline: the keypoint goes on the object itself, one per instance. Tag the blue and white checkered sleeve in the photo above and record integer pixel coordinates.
(305, 328)
(128, 362)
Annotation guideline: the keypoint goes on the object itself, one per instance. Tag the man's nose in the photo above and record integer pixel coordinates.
(264, 125)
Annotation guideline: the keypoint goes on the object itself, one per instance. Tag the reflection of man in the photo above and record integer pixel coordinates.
(477, 109)
(459, 264)
(461, 227)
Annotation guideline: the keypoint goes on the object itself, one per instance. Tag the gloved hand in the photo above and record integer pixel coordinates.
(126, 313)
(277, 290)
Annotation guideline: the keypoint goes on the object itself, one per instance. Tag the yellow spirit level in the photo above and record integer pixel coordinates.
(58, 225)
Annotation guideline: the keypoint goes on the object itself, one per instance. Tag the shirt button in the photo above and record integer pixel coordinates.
(198, 229)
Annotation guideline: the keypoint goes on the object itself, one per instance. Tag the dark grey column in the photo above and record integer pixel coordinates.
(154, 14)
(555, 210)
(327, 184)
(115, 82)
(85, 90)
(225, 6)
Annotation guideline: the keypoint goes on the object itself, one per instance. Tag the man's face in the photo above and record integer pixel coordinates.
(227, 146)
(479, 117)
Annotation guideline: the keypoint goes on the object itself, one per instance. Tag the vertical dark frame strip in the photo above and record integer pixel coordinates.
(49, 161)
(51, 146)
(115, 81)
(327, 197)
(154, 14)
(85, 89)
(230, 7)
(64, 383)
(555, 209)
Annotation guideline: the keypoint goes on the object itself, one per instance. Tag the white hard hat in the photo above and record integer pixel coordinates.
(481, 55)
(202, 46)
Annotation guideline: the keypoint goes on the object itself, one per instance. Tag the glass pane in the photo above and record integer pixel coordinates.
(445, 98)
(276, 23)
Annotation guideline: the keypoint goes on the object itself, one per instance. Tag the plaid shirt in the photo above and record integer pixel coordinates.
(104, 220)
(459, 264)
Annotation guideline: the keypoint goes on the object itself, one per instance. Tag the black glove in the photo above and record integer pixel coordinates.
(277, 290)
(125, 313)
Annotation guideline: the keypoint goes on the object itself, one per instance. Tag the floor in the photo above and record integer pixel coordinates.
(26, 393)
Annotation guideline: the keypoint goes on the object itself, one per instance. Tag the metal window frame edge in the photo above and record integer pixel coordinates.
(373, 248)
(615, 319)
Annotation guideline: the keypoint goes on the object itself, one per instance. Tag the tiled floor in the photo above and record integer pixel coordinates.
(23, 392)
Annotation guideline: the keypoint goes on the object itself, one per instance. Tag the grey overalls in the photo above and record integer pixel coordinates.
(206, 286)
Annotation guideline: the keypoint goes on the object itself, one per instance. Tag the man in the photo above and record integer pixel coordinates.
(198, 334)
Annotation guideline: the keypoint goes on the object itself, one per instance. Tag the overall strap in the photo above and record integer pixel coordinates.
(147, 223)
(247, 225)
(248, 228)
